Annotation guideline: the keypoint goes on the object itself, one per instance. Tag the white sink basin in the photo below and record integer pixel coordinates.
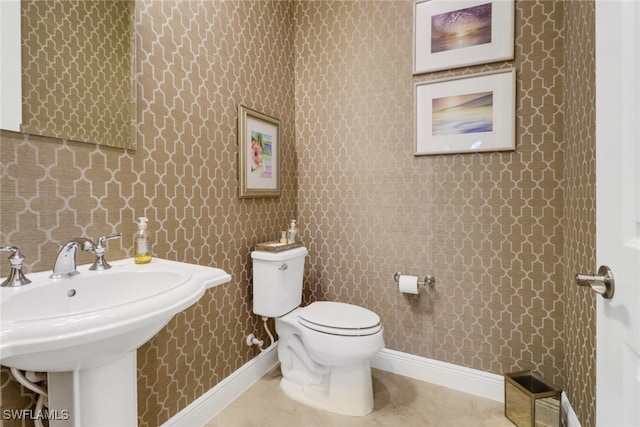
(94, 318)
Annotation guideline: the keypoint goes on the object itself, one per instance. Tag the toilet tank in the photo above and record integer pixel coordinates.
(277, 281)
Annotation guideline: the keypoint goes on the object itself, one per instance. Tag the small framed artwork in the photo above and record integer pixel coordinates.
(451, 34)
(258, 154)
(466, 114)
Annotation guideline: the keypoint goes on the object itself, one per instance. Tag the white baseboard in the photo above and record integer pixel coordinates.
(472, 381)
(569, 417)
(479, 383)
(207, 406)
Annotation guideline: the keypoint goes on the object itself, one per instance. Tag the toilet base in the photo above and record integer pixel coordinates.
(346, 390)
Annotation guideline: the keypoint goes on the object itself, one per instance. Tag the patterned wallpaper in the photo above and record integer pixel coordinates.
(487, 226)
(197, 61)
(85, 48)
(580, 215)
(492, 228)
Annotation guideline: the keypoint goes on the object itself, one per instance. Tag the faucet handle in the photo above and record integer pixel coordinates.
(16, 277)
(102, 241)
(100, 263)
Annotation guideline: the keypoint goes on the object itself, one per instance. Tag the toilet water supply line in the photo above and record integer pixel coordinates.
(30, 383)
(296, 346)
(252, 340)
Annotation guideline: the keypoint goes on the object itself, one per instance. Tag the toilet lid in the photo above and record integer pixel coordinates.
(339, 318)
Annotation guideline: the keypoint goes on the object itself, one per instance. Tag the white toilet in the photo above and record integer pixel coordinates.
(325, 348)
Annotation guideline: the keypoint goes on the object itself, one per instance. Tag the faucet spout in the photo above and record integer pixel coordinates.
(65, 265)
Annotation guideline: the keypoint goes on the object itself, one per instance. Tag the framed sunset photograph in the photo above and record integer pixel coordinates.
(458, 33)
(258, 154)
(466, 114)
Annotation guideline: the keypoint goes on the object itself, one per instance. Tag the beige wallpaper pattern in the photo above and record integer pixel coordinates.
(487, 226)
(492, 228)
(85, 48)
(579, 218)
(197, 61)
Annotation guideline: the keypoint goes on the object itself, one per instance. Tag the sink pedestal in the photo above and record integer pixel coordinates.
(100, 396)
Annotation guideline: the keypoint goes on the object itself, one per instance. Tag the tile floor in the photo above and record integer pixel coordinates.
(399, 401)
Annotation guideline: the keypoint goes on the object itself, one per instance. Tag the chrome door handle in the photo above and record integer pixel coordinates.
(602, 283)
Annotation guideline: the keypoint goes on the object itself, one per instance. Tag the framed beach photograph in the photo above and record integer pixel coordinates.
(466, 114)
(458, 33)
(258, 154)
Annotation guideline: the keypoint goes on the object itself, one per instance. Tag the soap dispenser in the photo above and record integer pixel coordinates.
(292, 233)
(142, 243)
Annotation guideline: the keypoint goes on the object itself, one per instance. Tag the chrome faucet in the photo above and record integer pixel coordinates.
(65, 265)
(100, 264)
(16, 277)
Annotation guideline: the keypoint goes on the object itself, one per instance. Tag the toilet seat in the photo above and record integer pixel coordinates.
(338, 318)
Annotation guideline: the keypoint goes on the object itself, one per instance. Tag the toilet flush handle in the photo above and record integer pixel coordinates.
(283, 267)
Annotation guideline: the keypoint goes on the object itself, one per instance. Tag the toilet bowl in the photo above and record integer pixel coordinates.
(324, 351)
(324, 348)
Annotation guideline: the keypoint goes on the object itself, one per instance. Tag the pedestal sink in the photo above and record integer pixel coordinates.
(84, 331)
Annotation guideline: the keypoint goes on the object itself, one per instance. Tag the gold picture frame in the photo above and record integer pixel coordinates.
(258, 154)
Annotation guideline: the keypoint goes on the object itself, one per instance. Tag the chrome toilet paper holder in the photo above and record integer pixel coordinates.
(429, 280)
